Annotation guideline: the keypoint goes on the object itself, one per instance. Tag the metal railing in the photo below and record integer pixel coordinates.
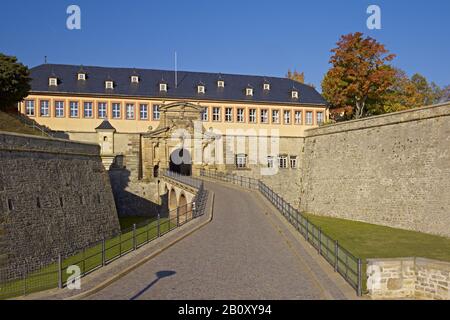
(56, 275)
(188, 180)
(346, 264)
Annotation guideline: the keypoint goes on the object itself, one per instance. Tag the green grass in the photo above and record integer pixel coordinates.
(373, 241)
(10, 124)
(128, 222)
(90, 259)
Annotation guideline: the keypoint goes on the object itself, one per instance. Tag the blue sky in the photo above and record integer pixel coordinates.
(249, 37)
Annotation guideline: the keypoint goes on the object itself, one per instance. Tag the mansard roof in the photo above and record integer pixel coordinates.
(149, 81)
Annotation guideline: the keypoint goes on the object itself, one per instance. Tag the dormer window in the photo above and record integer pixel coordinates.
(249, 92)
(82, 76)
(163, 87)
(221, 84)
(201, 89)
(134, 79)
(266, 86)
(109, 84)
(53, 82)
(294, 94)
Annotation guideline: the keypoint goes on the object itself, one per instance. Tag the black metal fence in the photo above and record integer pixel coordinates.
(346, 264)
(58, 274)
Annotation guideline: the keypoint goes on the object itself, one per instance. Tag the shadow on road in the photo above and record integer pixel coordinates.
(159, 275)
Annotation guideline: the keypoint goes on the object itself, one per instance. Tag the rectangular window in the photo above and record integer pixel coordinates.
(88, 110)
(241, 161)
(229, 114)
(29, 108)
(275, 116)
(45, 108)
(116, 111)
(143, 112)
(282, 162)
(240, 115)
(216, 114)
(264, 116)
(270, 162)
(287, 117)
(102, 110)
(319, 117)
(74, 109)
(205, 114)
(298, 117)
(309, 118)
(293, 160)
(252, 115)
(59, 109)
(129, 107)
(156, 112)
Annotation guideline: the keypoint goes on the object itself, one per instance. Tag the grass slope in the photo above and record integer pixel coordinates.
(10, 124)
(373, 241)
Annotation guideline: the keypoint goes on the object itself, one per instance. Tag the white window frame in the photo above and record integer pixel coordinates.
(249, 92)
(81, 76)
(53, 82)
(217, 114)
(163, 87)
(88, 108)
(221, 84)
(287, 116)
(30, 108)
(44, 106)
(74, 109)
(320, 121)
(270, 162)
(229, 114)
(293, 162)
(129, 111)
(294, 94)
(134, 79)
(143, 111)
(116, 113)
(276, 116)
(102, 110)
(201, 89)
(252, 116)
(241, 161)
(59, 109)
(205, 114)
(240, 115)
(283, 162)
(156, 112)
(309, 118)
(298, 117)
(109, 85)
(264, 116)
(267, 86)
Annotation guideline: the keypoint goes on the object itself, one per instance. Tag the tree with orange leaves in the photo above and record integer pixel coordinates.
(360, 74)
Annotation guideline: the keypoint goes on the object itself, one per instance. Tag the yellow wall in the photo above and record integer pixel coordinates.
(136, 125)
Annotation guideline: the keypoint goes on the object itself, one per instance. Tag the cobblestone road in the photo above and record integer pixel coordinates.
(241, 254)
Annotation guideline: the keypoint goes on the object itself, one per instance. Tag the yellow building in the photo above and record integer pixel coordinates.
(76, 100)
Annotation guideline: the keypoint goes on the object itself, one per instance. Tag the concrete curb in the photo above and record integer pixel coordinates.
(116, 277)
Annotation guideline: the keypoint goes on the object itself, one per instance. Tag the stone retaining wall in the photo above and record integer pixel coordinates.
(413, 278)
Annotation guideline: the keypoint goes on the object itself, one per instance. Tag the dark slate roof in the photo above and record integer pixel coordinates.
(105, 125)
(148, 86)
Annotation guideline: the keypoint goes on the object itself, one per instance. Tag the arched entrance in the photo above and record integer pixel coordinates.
(181, 162)
(183, 208)
(172, 200)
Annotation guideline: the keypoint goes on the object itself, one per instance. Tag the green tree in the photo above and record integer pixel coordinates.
(14, 82)
(360, 74)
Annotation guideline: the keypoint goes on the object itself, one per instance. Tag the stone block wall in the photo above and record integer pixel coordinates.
(411, 278)
(55, 197)
(391, 170)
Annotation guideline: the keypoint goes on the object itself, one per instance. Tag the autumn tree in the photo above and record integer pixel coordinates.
(296, 76)
(14, 82)
(360, 73)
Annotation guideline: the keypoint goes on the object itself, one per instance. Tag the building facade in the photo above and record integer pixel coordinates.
(136, 115)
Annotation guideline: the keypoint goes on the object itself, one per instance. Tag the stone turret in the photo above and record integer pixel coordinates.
(105, 133)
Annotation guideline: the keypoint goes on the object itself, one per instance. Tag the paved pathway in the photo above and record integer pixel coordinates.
(241, 254)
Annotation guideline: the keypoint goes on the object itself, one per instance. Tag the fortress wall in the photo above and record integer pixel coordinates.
(55, 197)
(391, 170)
